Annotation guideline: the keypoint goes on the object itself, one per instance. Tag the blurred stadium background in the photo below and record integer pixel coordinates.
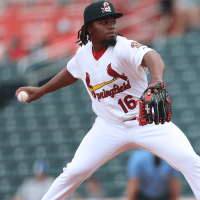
(37, 39)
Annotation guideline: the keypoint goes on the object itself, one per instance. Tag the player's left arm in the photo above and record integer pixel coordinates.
(175, 188)
(155, 101)
(153, 61)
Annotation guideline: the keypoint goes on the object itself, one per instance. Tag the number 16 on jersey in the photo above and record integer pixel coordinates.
(130, 103)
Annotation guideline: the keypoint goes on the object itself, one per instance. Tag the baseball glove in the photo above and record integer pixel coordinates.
(155, 107)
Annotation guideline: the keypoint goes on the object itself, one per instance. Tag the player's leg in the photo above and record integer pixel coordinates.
(102, 142)
(169, 142)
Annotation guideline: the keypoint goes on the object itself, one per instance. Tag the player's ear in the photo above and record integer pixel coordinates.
(89, 28)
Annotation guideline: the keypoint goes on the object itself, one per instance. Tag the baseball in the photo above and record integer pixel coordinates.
(22, 96)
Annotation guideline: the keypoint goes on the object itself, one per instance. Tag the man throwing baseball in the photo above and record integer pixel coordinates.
(130, 114)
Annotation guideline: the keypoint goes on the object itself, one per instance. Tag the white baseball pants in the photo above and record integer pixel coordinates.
(107, 139)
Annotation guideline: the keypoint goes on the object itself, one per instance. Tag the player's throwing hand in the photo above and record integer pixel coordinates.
(33, 92)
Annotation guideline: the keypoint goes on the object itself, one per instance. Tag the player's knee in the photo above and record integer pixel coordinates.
(77, 173)
(194, 160)
(189, 161)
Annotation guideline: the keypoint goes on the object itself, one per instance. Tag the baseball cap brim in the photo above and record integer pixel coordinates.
(115, 15)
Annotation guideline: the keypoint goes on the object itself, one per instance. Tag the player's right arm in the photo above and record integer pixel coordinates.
(63, 79)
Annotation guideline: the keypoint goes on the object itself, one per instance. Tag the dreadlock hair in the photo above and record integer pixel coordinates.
(83, 34)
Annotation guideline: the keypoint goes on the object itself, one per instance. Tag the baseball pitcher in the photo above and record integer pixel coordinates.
(130, 113)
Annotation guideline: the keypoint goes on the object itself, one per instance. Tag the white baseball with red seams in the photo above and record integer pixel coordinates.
(22, 96)
(115, 82)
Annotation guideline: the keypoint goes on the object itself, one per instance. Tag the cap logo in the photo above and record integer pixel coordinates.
(106, 7)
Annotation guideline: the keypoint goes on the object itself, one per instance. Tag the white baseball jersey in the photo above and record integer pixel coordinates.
(114, 82)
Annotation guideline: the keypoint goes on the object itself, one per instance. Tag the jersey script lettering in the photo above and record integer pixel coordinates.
(116, 89)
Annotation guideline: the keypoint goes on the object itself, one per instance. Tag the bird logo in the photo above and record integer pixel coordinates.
(114, 74)
(88, 80)
(106, 7)
(111, 73)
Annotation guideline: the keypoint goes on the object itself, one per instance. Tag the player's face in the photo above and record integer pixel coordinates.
(104, 31)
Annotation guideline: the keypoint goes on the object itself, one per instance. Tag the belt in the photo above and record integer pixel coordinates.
(134, 118)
